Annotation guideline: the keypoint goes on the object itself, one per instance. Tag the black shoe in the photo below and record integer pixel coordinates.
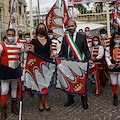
(85, 105)
(41, 110)
(92, 82)
(84, 102)
(48, 109)
(115, 101)
(68, 103)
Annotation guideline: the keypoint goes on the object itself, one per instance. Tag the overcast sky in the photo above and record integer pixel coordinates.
(43, 4)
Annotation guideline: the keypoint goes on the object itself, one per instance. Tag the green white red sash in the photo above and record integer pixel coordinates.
(74, 48)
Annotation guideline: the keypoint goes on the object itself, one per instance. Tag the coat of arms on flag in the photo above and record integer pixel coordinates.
(72, 76)
(39, 73)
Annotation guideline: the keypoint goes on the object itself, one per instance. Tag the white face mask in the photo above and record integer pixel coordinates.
(33, 36)
(51, 36)
(27, 40)
(95, 43)
(11, 39)
(117, 42)
(103, 36)
(87, 33)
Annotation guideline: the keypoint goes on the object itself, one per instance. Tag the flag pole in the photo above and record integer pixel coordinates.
(108, 22)
(38, 11)
(31, 18)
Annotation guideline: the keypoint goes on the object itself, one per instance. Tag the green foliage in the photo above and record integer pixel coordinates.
(81, 8)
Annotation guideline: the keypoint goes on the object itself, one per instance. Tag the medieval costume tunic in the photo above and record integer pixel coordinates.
(105, 42)
(9, 72)
(98, 53)
(9, 69)
(55, 45)
(20, 41)
(104, 74)
(113, 57)
(89, 41)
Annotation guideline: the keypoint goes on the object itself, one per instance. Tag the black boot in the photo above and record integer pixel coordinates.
(3, 111)
(84, 102)
(14, 106)
(115, 101)
(70, 101)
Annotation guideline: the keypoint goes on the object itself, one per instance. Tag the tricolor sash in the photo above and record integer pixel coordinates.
(74, 48)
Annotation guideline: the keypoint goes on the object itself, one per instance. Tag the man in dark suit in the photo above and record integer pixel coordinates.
(65, 51)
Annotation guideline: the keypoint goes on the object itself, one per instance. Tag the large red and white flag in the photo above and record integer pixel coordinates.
(72, 76)
(56, 18)
(12, 16)
(39, 73)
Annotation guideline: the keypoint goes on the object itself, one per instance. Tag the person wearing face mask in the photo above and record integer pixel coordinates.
(9, 71)
(33, 34)
(113, 61)
(27, 47)
(97, 53)
(65, 51)
(104, 40)
(88, 37)
(56, 44)
(20, 39)
(89, 43)
(42, 46)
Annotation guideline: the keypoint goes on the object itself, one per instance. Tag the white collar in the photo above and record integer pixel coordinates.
(74, 34)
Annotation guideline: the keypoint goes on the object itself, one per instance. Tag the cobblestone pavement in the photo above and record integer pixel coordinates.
(100, 108)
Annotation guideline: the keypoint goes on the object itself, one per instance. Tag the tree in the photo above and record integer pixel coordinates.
(81, 8)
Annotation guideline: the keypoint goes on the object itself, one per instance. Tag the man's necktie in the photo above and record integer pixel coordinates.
(71, 54)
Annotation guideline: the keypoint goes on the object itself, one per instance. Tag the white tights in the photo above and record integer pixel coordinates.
(5, 88)
(115, 79)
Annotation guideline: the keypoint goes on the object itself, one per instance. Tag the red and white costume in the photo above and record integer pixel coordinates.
(10, 55)
(9, 69)
(112, 58)
(89, 41)
(105, 42)
(21, 41)
(56, 45)
(98, 53)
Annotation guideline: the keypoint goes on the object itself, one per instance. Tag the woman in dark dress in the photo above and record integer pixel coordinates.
(42, 45)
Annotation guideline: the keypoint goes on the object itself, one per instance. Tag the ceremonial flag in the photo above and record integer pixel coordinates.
(115, 14)
(12, 16)
(56, 18)
(72, 76)
(87, 1)
(65, 16)
(39, 73)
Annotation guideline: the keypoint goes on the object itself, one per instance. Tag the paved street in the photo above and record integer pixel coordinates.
(100, 108)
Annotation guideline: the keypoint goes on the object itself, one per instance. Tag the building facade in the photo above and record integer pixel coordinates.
(5, 9)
